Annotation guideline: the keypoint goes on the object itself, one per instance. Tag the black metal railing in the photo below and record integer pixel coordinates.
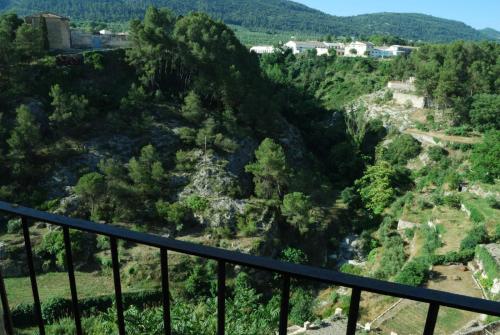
(434, 298)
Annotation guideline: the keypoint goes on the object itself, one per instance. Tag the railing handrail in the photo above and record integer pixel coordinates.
(293, 270)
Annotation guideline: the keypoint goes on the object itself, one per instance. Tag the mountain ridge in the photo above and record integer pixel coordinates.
(280, 15)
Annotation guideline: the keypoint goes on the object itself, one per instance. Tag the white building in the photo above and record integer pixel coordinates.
(398, 50)
(322, 51)
(105, 32)
(359, 49)
(338, 47)
(298, 47)
(263, 49)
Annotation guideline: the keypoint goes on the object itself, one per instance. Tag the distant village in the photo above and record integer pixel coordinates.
(62, 37)
(353, 49)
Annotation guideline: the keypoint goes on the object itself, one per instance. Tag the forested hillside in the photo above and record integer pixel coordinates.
(267, 15)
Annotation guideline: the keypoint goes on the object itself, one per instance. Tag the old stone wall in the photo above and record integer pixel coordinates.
(403, 86)
(58, 32)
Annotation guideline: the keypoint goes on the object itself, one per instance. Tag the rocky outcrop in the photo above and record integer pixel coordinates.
(351, 251)
(70, 205)
(212, 182)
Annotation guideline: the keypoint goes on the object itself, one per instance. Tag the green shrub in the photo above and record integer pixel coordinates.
(351, 198)
(453, 257)
(421, 126)
(187, 135)
(493, 202)
(401, 149)
(496, 236)
(174, 213)
(474, 237)
(302, 303)
(437, 199)
(59, 308)
(52, 249)
(459, 131)
(294, 255)
(351, 269)
(484, 111)
(94, 59)
(393, 256)
(431, 240)
(423, 204)
(436, 153)
(453, 180)
(453, 200)
(475, 215)
(415, 272)
(197, 203)
(14, 226)
(410, 233)
(485, 158)
(55, 308)
(197, 283)
(490, 265)
(185, 160)
(246, 225)
(225, 143)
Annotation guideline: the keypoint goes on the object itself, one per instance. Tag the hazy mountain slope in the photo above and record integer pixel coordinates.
(275, 15)
(413, 26)
(491, 33)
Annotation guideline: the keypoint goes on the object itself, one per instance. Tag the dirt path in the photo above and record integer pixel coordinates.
(429, 137)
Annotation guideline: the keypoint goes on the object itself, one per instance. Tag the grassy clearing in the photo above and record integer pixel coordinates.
(420, 216)
(451, 224)
(56, 284)
(411, 319)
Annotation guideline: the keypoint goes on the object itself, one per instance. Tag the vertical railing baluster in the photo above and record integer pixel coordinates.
(118, 286)
(221, 298)
(166, 291)
(430, 322)
(7, 317)
(31, 268)
(72, 281)
(285, 301)
(353, 311)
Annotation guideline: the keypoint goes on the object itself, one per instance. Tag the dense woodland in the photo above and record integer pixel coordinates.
(161, 136)
(280, 15)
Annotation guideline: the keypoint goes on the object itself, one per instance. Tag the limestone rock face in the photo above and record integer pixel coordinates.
(210, 180)
(221, 212)
(219, 187)
(70, 204)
